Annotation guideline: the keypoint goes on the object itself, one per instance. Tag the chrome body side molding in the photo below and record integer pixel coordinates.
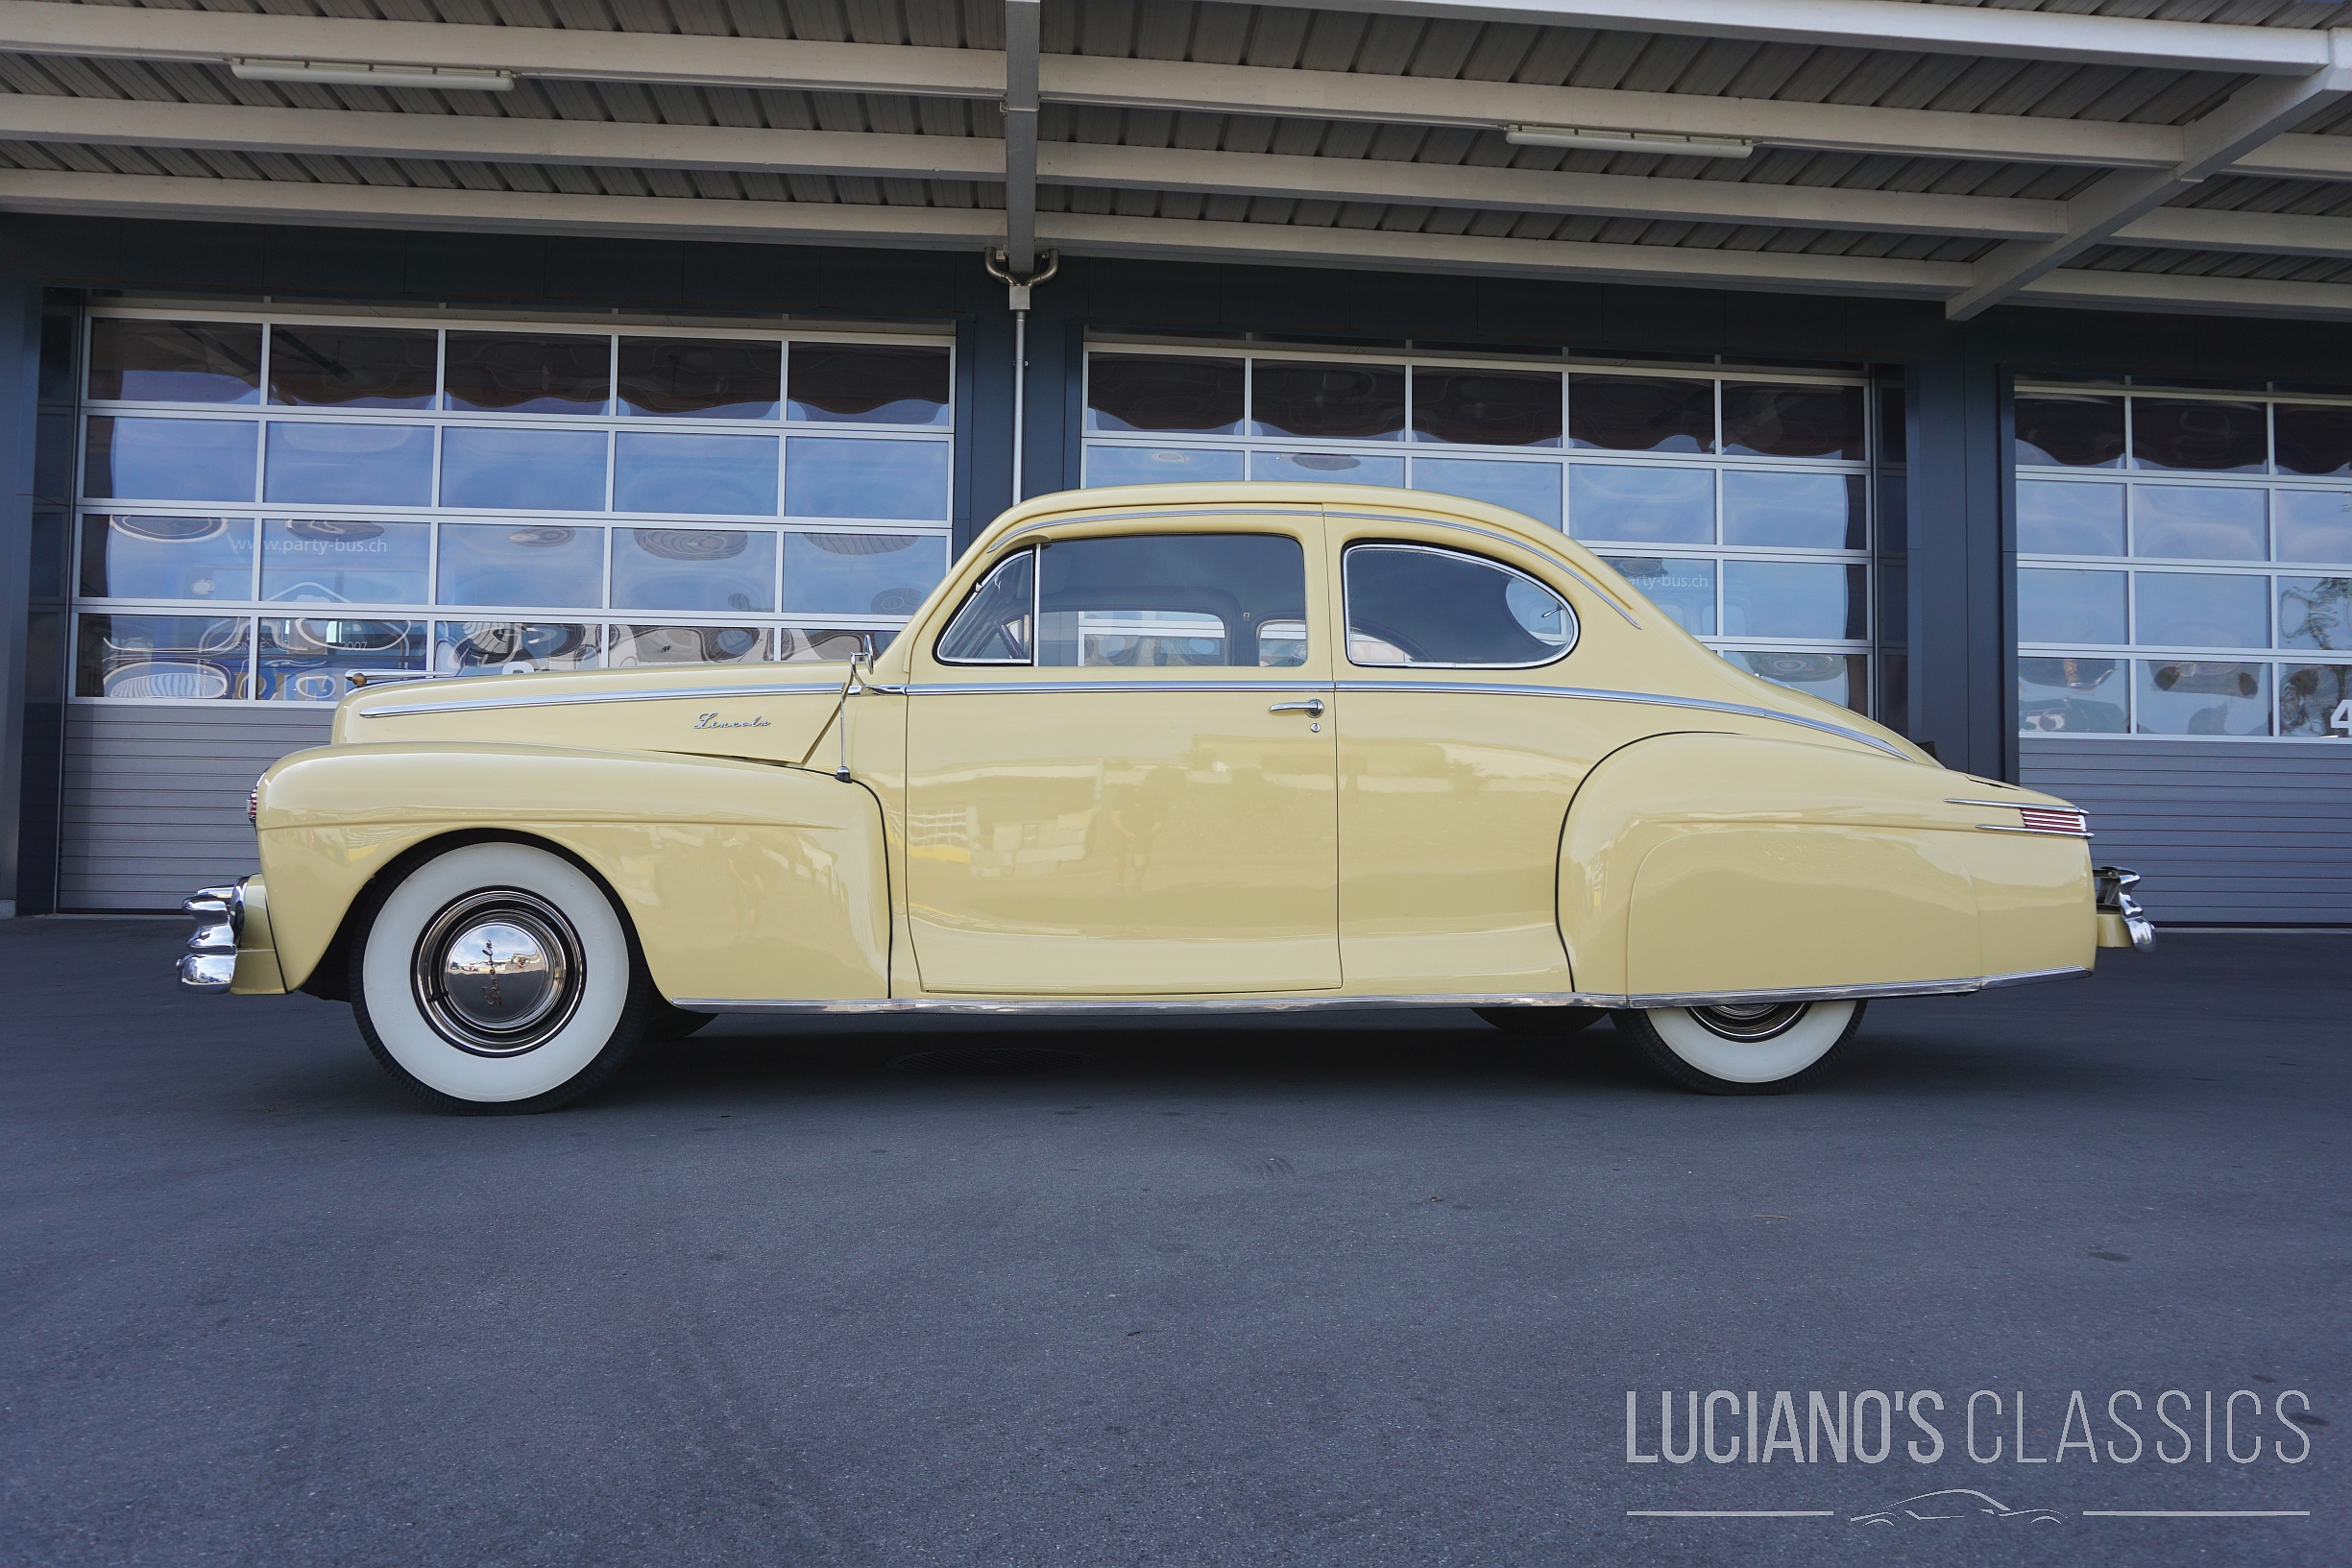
(567, 699)
(1297, 1003)
(1659, 699)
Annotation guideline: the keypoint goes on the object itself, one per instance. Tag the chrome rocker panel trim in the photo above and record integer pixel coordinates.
(1298, 1003)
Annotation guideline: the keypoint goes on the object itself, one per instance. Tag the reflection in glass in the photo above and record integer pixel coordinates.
(175, 362)
(2069, 606)
(705, 475)
(1794, 598)
(167, 557)
(1327, 467)
(866, 384)
(1531, 488)
(1641, 414)
(2068, 519)
(2205, 522)
(861, 574)
(182, 658)
(2069, 430)
(1167, 599)
(310, 660)
(350, 366)
(1767, 420)
(322, 464)
(2178, 697)
(1841, 678)
(513, 373)
(633, 645)
(1161, 464)
(507, 562)
(2072, 696)
(508, 647)
(694, 568)
(2214, 437)
(539, 470)
(1488, 408)
(2312, 438)
(1163, 392)
(2316, 700)
(1801, 511)
(993, 625)
(831, 642)
(170, 460)
(831, 477)
(2312, 524)
(1641, 505)
(2315, 613)
(701, 378)
(1326, 401)
(1415, 605)
(1684, 589)
(320, 561)
(2197, 610)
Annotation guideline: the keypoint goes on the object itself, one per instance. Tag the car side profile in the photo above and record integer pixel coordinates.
(1180, 748)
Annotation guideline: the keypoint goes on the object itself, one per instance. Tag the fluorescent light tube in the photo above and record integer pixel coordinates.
(448, 78)
(1627, 141)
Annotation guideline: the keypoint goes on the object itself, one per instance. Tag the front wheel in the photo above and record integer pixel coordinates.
(1748, 1049)
(497, 979)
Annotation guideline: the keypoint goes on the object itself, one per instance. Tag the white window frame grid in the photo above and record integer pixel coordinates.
(2130, 477)
(1563, 457)
(605, 618)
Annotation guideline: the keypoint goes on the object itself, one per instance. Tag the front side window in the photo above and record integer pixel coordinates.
(1415, 604)
(1145, 600)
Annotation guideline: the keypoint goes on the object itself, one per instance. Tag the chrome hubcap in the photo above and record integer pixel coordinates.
(1751, 1022)
(497, 973)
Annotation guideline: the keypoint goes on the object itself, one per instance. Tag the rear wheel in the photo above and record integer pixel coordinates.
(1745, 1049)
(1541, 1020)
(497, 979)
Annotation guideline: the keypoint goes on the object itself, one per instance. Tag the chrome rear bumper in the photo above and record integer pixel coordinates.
(2121, 921)
(211, 962)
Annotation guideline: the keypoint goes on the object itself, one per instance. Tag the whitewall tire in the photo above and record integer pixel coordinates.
(497, 979)
(1761, 1048)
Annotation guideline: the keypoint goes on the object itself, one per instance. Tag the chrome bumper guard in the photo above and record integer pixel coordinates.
(2114, 885)
(211, 962)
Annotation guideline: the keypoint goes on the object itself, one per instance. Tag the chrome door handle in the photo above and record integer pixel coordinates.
(1312, 707)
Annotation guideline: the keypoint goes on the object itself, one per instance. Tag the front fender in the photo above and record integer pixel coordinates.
(741, 878)
(1708, 863)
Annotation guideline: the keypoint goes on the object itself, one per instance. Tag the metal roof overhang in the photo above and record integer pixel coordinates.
(1905, 148)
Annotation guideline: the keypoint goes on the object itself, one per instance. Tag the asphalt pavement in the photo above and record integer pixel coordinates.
(1355, 1290)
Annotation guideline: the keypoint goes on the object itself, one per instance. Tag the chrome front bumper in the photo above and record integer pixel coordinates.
(2122, 922)
(211, 962)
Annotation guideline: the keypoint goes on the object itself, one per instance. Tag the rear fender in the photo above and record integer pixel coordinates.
(1708, 863)
(740, 879)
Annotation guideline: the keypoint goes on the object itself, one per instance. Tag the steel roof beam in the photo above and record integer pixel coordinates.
(252, 201)
(122, 32)
(1905, 25)
(1020, 175)
(2255, 114)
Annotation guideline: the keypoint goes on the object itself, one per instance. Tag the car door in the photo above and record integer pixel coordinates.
(1457, 761)
(1119, 772)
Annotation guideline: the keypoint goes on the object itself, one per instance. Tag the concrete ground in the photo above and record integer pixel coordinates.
(1360, 1291)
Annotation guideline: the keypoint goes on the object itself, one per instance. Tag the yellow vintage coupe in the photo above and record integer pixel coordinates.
(1184, 748)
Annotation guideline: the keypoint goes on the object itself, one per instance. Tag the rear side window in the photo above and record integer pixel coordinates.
(1415, 604)
(1149, 600)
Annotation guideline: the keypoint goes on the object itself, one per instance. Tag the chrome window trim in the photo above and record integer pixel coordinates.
(570, 698)
(1597, 694)
(1563, 564)
(979, 588)
(1155, 511)
(1347, 614)
(1294, 1002)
